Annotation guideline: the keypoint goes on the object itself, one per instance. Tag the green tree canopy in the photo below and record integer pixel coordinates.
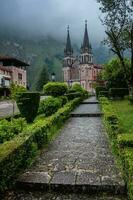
(114, 75)
(43, 79)
(118, 22)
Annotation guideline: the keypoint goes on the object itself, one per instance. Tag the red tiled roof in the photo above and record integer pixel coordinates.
(15, 61)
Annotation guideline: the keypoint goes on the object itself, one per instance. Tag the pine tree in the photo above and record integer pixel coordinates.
(43, 79)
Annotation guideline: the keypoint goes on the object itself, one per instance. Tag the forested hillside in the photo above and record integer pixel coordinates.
(42, 51)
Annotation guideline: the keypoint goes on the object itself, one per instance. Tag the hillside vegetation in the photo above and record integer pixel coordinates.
(39, 52)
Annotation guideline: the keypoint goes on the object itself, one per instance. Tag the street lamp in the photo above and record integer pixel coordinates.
(53, 76)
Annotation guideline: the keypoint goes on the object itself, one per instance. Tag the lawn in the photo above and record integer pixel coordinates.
(125, 112)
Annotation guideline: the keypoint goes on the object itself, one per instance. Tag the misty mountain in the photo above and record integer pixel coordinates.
(40, 51)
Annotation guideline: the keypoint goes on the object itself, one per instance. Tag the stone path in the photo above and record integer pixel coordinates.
(78, 160)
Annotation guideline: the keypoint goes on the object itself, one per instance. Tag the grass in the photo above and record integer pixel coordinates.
(125, 113)
(125, 140)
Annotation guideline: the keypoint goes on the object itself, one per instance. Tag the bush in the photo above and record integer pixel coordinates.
(118, 92)
(77, 87)
(55, 89)
(99, 89)
(110, 117)
(64, 100)
(18, 153)
(72, 95)
(16, 89)
(104, 93)
(130, 99)
(8, 129)
(125, 140)
(49, 106)
(77, 91)
(28, 103)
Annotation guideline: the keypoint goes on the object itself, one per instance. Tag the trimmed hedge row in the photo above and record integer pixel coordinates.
(122, 143)
(111, 118)
(112, 92)
(18, 153)
(118, 92)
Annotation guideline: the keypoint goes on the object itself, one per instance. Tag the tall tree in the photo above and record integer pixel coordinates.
(118, 21)
(43, 79)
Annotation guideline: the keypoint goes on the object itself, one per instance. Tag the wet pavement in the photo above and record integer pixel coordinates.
(25, 195)
(79, 159)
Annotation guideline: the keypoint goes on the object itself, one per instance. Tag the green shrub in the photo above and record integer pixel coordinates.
(99, 89)
(64, 100)
(55, 89)
(28, 103)
(16, 89)
(77, 87)
(18, 153)
(49, 106)
(8, 129)
(72, 95)
(110, 117)
(130, 99)
(125, 140)
(118, 92)
(104, 93)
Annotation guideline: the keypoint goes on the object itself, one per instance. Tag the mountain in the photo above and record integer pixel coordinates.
(40, 51)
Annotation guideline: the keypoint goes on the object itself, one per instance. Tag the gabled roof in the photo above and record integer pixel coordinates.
(10, 61)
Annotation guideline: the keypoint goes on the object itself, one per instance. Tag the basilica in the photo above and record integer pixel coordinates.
(80, 69)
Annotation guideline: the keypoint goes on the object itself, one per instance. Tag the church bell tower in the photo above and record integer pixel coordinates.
(86, 56)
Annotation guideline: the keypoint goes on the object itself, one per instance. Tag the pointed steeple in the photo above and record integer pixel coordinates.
(85, 48)
(68, 50)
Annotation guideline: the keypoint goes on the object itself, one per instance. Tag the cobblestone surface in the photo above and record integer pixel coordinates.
(81, 148)
(24, 195)
(91, 99)
(79, 156)
(87, 108)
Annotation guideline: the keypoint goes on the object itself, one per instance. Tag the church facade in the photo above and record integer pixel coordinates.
(80, 69)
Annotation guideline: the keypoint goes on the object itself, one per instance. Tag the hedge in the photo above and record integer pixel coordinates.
(99, 89)
(55, 89)
(125, 140)
(118, 92)
(104, 93)
(28, 103)
(18, 153)
(122, 143)
(49, 106)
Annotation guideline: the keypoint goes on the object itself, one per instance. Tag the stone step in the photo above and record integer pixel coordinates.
(86, 114)
(89, 102)
(69, 182)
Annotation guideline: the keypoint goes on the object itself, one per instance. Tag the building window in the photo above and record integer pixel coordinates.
(19, 77)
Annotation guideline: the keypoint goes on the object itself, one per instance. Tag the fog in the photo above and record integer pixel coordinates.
(51, 17)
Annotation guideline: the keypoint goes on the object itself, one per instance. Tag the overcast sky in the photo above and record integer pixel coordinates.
(51, 17)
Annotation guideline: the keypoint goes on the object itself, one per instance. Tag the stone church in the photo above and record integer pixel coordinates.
(80, 69)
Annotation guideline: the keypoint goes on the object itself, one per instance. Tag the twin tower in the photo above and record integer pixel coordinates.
(81, 68)
(85, 57)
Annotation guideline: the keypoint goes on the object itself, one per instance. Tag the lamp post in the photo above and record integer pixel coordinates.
(53, 77)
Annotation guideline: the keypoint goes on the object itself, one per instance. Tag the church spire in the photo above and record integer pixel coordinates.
(68, 50)
(85, 48)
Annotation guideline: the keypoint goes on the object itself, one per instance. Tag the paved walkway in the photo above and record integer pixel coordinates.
(79, 159)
